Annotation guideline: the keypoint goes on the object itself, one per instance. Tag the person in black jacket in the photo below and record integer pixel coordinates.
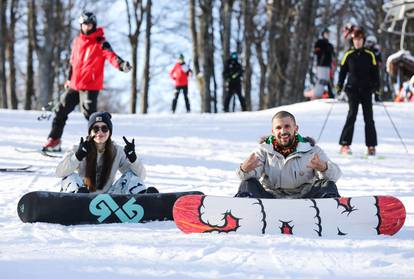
(325, 53)
(360, 65)
(232, 73)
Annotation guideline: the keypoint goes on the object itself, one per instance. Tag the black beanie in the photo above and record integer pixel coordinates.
(104, 117)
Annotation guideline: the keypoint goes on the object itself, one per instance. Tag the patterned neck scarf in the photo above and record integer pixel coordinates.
(285, 150)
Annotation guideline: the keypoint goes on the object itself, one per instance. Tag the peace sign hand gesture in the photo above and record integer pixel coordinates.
(129, 150)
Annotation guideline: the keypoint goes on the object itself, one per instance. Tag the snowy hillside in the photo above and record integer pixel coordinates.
(201, 152)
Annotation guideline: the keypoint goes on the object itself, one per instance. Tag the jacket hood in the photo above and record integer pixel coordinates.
(303, 145)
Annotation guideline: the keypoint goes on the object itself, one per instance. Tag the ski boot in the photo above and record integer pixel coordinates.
(345, 150)
(371, 151)
(52, 145)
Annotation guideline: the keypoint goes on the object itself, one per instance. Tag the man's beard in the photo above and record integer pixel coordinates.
(289, 143)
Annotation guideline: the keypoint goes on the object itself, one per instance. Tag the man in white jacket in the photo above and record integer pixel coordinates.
(287, 166)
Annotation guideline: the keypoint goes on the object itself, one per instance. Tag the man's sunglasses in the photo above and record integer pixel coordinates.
(104, 129)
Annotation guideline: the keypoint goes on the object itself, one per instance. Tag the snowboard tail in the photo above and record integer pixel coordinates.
(93, 208)
(307, 217)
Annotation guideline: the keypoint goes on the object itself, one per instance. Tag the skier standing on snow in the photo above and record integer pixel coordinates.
(85, 77)
(179, 74)
(92, 165)
(233, 72)
(325, 53)
(287, 166)
(360, 65)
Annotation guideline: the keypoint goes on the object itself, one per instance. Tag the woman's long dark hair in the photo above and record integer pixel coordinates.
(108, 157)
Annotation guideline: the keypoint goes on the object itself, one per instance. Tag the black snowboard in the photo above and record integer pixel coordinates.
(93, 208)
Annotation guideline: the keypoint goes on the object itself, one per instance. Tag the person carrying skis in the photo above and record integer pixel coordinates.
(92, 165)
(286, 165)
(360, 65)
(85, 76)
(325, 53)
(179, 74)
(233, 72)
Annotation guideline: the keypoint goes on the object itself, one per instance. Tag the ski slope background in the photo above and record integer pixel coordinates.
(201, 152)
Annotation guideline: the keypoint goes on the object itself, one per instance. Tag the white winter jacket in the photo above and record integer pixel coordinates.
(289, 177)
(70, 164)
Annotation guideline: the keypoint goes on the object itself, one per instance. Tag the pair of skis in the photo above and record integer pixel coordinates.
(51, 154)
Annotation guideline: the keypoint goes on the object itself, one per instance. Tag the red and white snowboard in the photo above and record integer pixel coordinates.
(357, 216)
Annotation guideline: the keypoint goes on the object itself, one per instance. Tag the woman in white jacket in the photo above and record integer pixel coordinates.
(92, 165)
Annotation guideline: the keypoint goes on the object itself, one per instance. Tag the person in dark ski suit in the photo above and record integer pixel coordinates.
(325, 53)
(233, 72)
(360, 65)
(179, 74)
(85, 76)
(287, 165)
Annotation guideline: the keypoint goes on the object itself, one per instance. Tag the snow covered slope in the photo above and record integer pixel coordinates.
(200, 152)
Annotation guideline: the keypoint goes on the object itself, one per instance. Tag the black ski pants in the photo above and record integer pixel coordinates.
(252, 188)
(87, 101)
(356, 97)
(234, 88)
(178, 89)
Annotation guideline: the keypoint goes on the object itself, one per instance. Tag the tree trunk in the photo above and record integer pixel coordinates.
(146, 72)
(196, 50)
(30, 89)
(134, 87)
(46, 52)
(138, 12)
(300, 49)
(11, 38)
(247, 10)
(225, 35)
(3, 30)
(207, 53)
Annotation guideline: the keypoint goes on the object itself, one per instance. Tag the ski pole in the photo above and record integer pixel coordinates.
(395, 127)
(326, 120)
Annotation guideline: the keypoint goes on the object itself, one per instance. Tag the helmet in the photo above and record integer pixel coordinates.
(181, 57)
(371, 40)
(233, 55)
(87, 17)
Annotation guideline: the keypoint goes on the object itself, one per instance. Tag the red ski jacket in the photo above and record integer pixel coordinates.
(87, 61)
(179, 74)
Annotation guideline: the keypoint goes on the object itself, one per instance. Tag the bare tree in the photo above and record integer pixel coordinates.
(248, 13)
(30, 88)
(3, 29)
(300, 45)
(146, 71)
(196, 48)
(206, 53)
(135, 17)
(11, 38)
(47, 47)
(226, 8)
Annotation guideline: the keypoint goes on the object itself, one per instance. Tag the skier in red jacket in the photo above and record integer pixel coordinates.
(179, 74)
(85, 78)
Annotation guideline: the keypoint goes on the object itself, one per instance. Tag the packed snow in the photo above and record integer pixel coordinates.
(200, 152)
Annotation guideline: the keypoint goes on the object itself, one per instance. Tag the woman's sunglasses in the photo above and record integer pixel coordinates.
(104, 129)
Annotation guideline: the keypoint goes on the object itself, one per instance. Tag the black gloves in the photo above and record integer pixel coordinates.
(129, 150)
(83, 149)
(124, 66)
